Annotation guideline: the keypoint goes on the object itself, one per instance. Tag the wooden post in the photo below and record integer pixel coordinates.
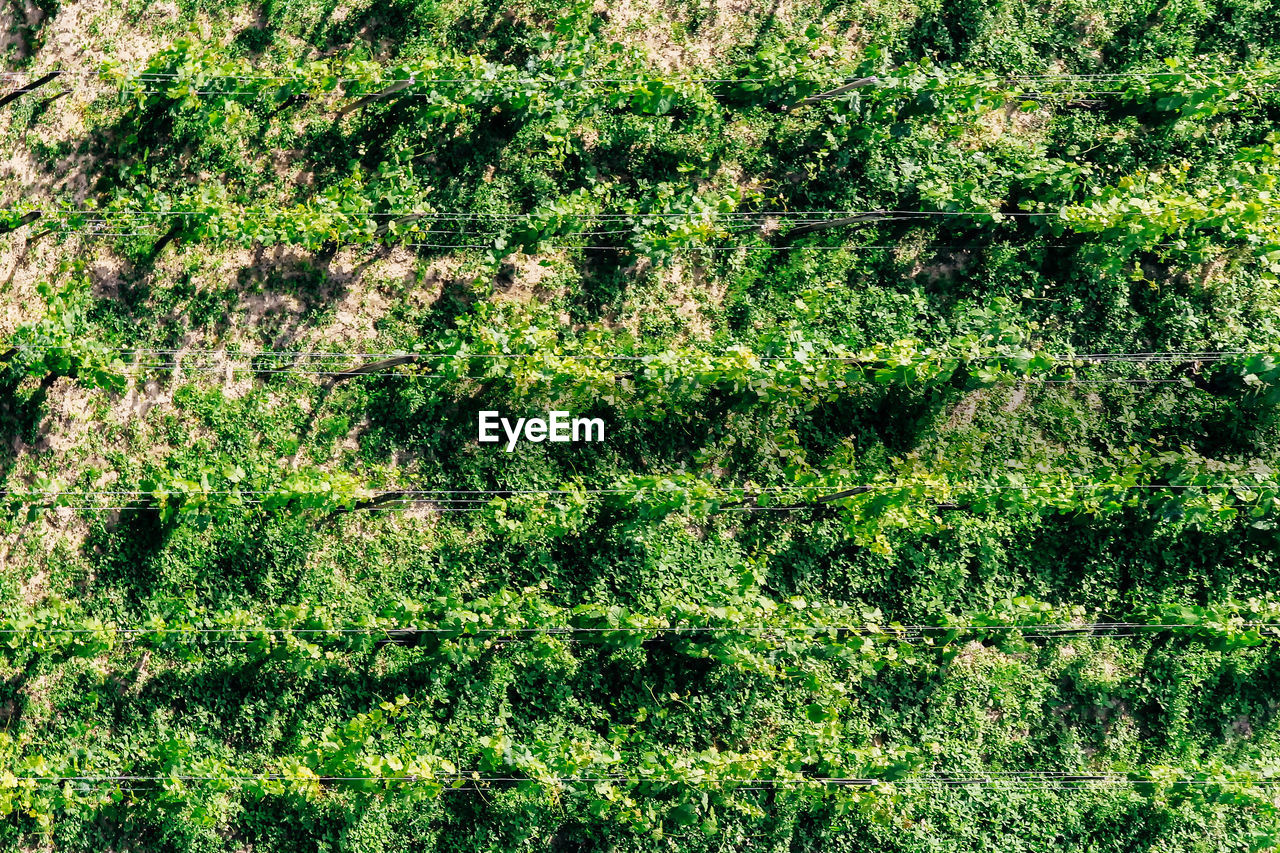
(386, 225)
(379, 500)
(390, 90)
(833, 93)
(872, 216)
(30, 87)
(375, 367)
(169, 237)
(288, 102)
(400, 637)
(847, 493)
(27, 219)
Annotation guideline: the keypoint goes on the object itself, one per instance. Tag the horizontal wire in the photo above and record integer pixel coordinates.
(82, 71)
(409, 93)
(398, 375)
(141, 369)
(959, 780)
(448, 504)
(659, 357)
(632, 248)
(499, 639)
(723, 491)
(418, 507)
(1066, 630)
(436, 507)
(469, 215)
(570, 84)
(740, 248)
(96, 72)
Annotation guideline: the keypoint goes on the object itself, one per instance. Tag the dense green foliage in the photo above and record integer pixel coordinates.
(938, 351)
